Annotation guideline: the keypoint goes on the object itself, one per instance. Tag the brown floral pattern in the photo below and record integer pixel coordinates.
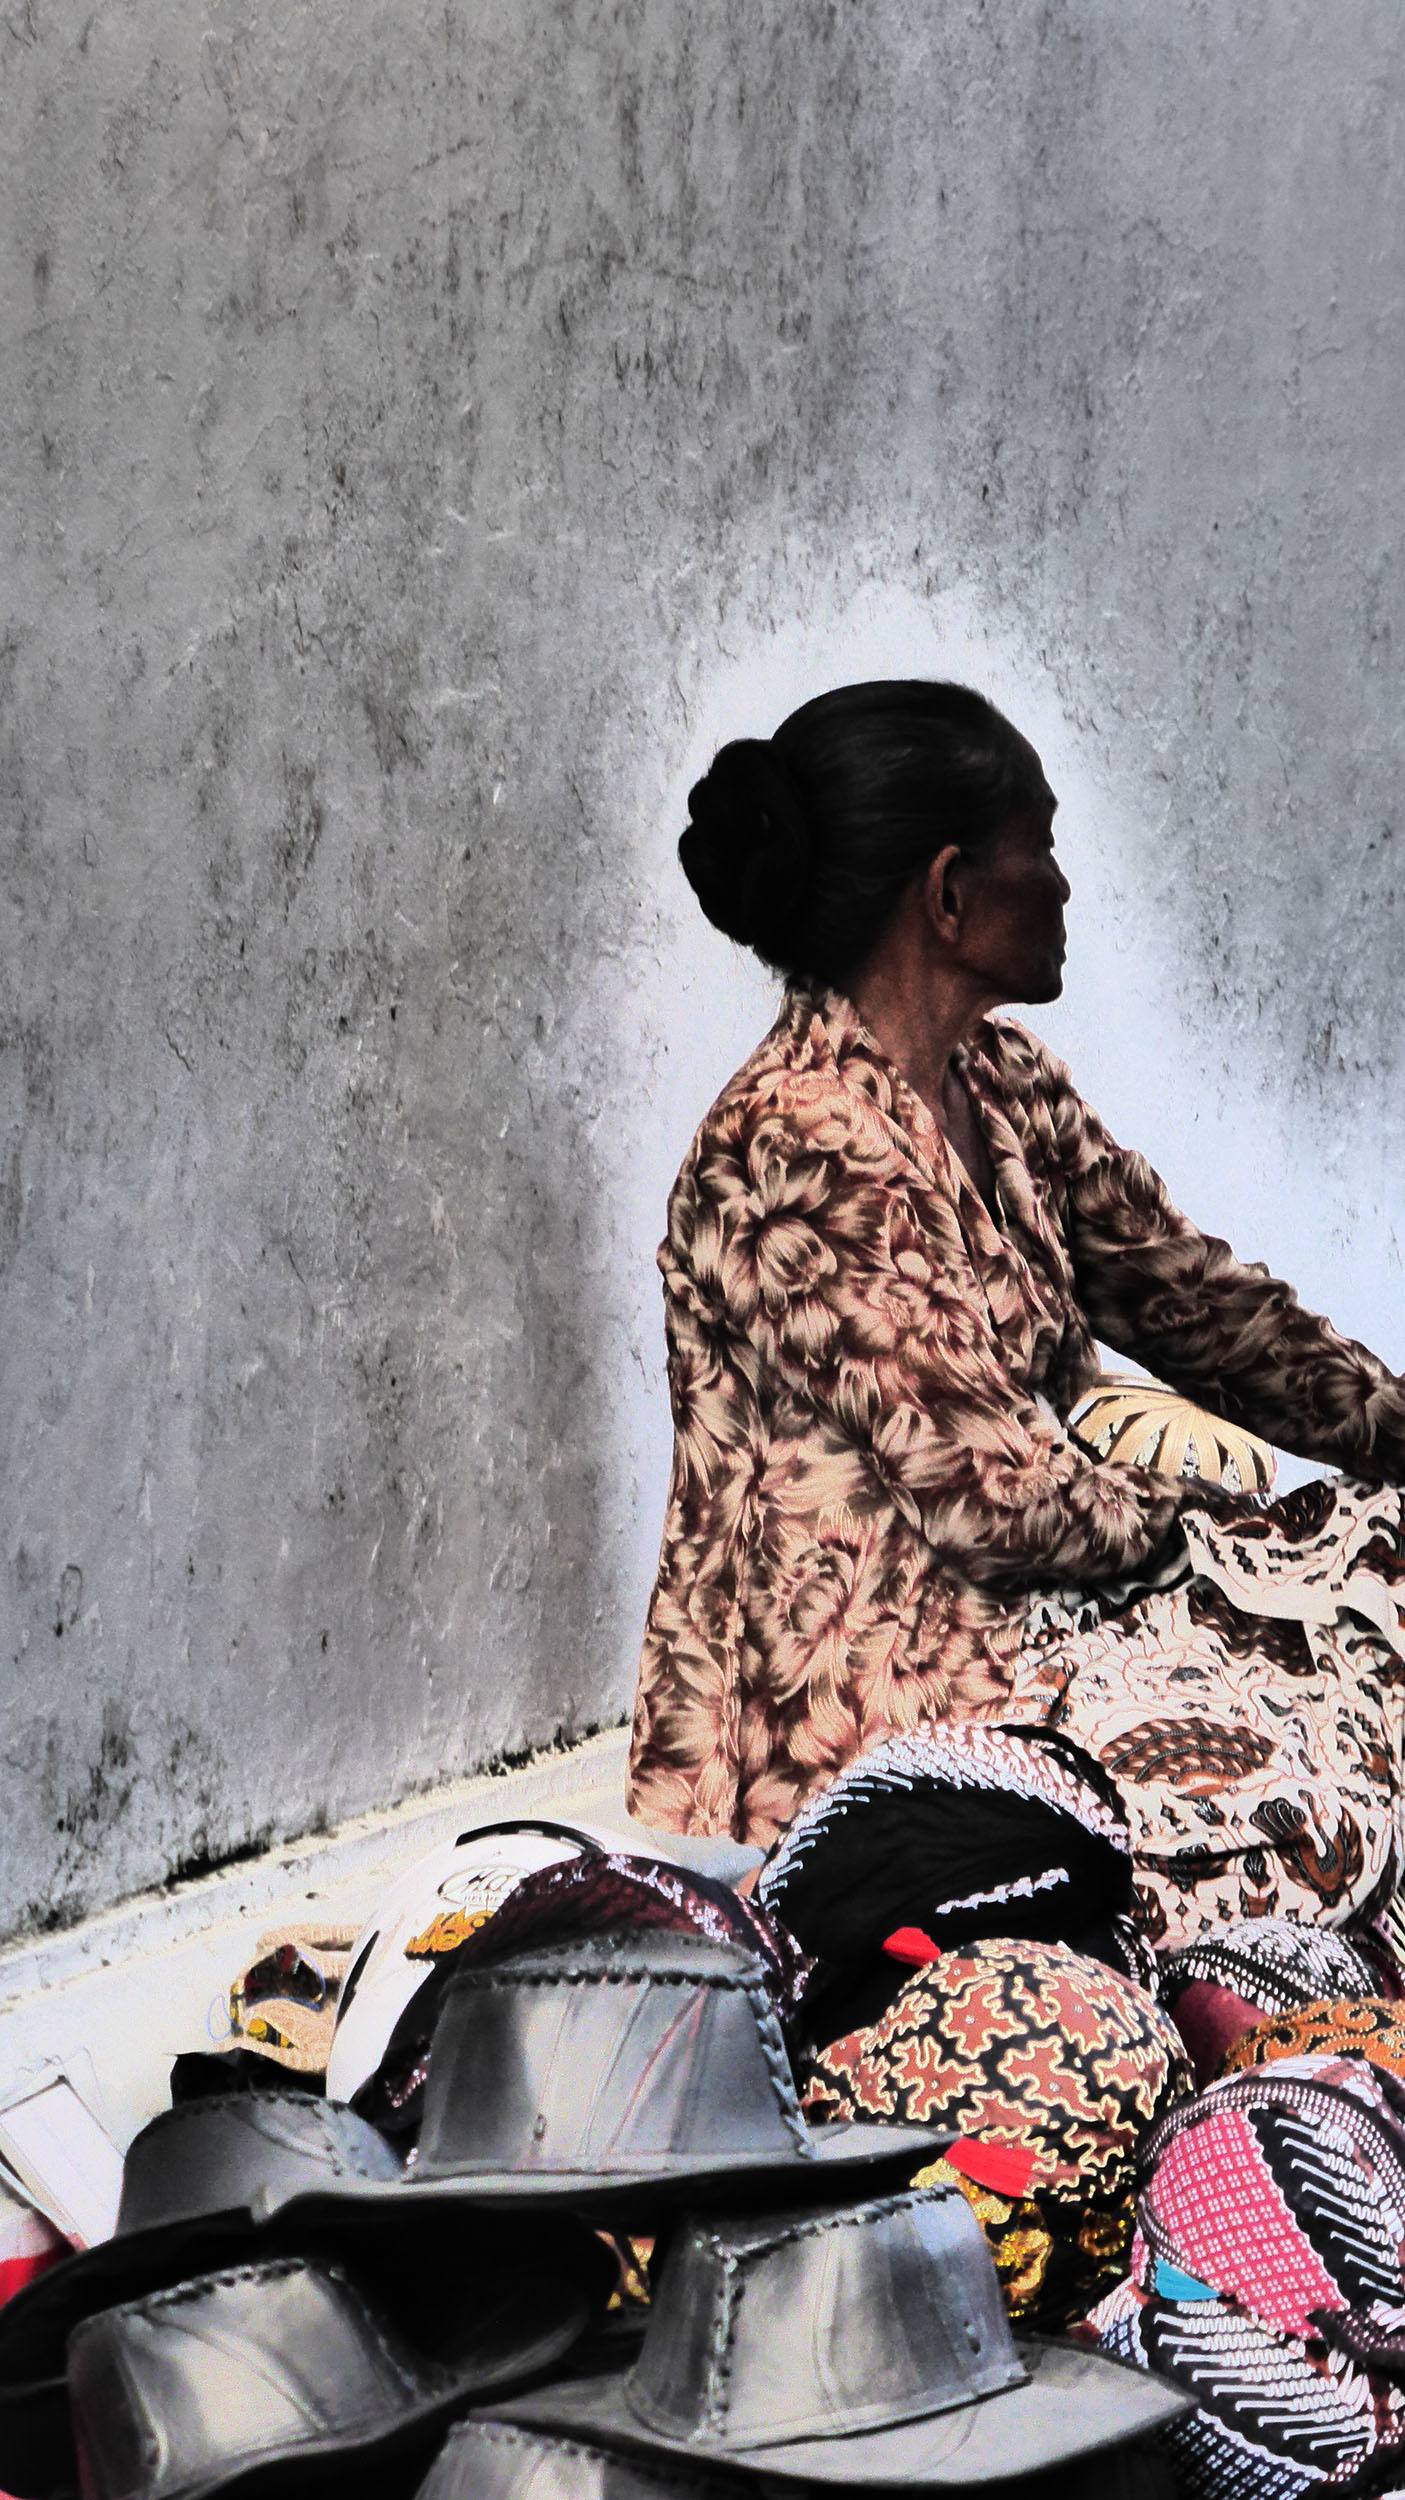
(1261, 1777)
(877, 1519)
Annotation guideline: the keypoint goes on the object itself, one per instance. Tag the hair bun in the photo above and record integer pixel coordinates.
(747, 851)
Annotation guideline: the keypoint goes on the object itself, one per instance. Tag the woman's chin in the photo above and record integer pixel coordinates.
(1043, 989)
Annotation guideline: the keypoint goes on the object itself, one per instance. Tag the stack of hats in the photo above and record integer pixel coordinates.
(1266, 2276)
(942, 1837)
(965, 1899)
(293, 2298)
(1266, 2281)
(965, 1895)
(893, 2177)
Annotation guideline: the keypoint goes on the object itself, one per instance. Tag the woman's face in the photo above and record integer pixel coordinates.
(1012, 920)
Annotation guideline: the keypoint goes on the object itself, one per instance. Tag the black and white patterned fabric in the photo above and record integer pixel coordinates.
(1266, 2280)
(952, 1834)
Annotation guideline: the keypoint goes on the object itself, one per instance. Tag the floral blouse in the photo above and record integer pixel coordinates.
(872, 1483)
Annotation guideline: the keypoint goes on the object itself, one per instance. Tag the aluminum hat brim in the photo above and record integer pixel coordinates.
(1073, 2404)
(35, 2325)
(411, 2437)
(838, 2151)
(36, 2451)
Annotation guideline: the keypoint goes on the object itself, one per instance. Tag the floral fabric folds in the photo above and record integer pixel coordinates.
(878, 1521)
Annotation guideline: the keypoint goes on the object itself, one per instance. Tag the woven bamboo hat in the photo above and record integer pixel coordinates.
(1139, 1423)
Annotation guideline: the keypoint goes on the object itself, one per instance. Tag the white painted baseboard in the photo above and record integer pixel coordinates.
(128, 1990)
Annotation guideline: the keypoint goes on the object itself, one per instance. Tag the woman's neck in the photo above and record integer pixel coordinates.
(918, 1026)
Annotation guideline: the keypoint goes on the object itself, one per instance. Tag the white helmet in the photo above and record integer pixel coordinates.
(470, 1877)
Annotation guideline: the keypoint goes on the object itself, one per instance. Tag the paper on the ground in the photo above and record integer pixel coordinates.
(61, 2155)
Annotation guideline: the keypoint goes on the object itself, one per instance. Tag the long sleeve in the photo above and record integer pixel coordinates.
(802, 1230)
(1214, 1327)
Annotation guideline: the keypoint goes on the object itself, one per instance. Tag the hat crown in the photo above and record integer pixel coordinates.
(190, 2383)
(609, 2056)
(1313, 2151)
(823, 2323)
(218, 2155)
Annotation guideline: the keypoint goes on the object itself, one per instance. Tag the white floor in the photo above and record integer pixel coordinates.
(118, 1997)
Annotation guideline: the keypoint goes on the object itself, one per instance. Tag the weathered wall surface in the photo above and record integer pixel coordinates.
(423, 433)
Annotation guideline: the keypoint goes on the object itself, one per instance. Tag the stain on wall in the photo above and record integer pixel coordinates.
(425, 432)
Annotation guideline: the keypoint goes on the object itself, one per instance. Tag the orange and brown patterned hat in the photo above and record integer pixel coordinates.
(1369, 2027)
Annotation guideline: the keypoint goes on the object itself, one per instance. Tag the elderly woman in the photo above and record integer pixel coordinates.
(889, 1250)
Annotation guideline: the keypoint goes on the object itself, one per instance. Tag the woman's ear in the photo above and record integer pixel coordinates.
(940, 895)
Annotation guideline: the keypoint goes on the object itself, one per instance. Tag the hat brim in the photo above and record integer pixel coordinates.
(1073, 2404)
(36, 2440)
(35, 2325)
(840, 2149)
(411, 2436)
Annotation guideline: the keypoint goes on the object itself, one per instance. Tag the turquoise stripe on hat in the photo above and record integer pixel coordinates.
(1171, 2284)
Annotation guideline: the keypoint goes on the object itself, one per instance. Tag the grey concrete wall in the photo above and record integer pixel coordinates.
(423, 433)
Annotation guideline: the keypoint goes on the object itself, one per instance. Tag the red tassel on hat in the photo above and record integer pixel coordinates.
(1006, 2169)
(911, 1944)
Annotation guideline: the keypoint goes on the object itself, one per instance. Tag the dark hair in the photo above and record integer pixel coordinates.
(802, 845)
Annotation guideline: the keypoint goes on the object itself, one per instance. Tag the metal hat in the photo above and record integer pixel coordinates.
(613, 1893)
(483, 2460)
(271, 2378)
(866, 2347)
(623, 2077)
(192, 2192)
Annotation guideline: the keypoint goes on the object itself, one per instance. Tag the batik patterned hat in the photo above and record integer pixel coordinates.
(1046, 2071)
(1266, 2281)
(1369, 2027)
(953, 1832)
(1224, 1985)
(1012, 1828)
